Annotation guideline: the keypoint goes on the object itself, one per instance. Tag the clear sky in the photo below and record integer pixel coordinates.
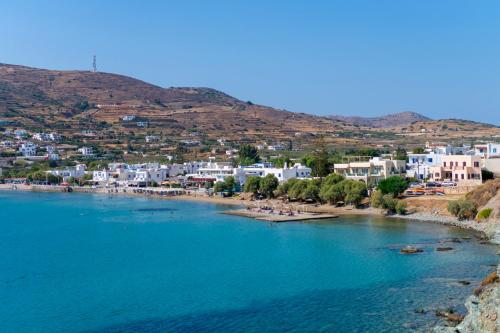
(440, 58)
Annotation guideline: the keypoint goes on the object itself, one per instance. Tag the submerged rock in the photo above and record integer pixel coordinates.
(442, 249)
(410, 250)
(450, 315)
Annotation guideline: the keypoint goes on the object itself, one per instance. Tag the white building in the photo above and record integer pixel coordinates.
(263, 169)
(20, 134)
(418, 164)
(277, 147)
(152, 138)
(86, 151)
(128, 118)
(77, 171)
(215, 170)
(28, 149)
(101, 176)
(41, 137)
(372, 171)
(487, 150)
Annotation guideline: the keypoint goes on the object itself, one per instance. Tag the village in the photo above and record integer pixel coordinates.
(437, 168)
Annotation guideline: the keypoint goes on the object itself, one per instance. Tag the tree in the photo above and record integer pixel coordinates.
(418, 150)
(230, 183)
(394, 185)
(268, 185)
(219, 187)
(331, 193)
(332, 179)
(310, 192)
(252, 185)
(354, 190)
(487, 175)
(248, 155)
(279, 162)
(401, 154)
(284, 188)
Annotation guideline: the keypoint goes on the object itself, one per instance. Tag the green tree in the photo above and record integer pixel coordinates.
(252, 184)
(418, 150)
(310, 192)
(394, 185)
(354, 191)
(268, 185)
(230, 183)
(219, 187)
(401, 154)
(248, 155)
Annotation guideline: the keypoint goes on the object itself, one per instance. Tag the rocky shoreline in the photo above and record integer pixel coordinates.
(483, 307)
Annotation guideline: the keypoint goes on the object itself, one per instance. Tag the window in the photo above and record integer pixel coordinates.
(494, 150)
(464, 164)
(463, 176)
(429, 160)
(444, 163)
(476, 164)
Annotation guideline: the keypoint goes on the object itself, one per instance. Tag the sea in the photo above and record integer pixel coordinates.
(75, 262)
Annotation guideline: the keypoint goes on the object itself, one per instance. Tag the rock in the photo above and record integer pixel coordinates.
(450, 315)
(442, 249)
(410, 250)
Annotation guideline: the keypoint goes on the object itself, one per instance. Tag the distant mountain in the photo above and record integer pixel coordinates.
(390, 120)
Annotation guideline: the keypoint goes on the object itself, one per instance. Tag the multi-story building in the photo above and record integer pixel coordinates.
(372, 171)
(487, 150)
(263, 169)
(457, 168)
(418, 164)
(28, 149)
(77, 171)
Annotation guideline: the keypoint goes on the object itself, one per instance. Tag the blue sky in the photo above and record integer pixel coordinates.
(440, 58)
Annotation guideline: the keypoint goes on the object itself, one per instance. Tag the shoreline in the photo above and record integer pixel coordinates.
(487, 230)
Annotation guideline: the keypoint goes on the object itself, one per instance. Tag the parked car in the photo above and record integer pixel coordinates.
(449, 184)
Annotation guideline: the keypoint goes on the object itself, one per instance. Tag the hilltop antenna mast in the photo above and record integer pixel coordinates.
(94, 65)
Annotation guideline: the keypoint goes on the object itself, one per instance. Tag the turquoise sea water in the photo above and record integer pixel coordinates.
(93, 263)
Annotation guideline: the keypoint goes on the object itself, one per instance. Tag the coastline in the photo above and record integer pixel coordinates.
(487, 230)
(483, 308)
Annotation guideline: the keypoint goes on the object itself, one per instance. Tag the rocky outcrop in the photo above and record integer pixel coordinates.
(484, 306)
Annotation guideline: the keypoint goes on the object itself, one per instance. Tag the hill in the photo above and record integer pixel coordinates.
(390, 120)
(59, 99)
(72, 101)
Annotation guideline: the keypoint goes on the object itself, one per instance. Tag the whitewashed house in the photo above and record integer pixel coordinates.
(86, 151)
(77, 171)
(418, 164)
(372, 171)
(101, 176)
(263, 169)
(487, 150)
(28, 149)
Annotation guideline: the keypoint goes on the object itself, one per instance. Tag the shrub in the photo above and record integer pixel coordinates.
(463, 209)
(389, 203)
(401, 207)
(484, 214)
(377, 199)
